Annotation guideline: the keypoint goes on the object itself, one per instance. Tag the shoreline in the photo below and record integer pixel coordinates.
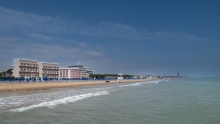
(8, 87)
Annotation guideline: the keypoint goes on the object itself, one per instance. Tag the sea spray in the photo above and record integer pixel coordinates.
(61, 101)
(40, 99)
(130, 85)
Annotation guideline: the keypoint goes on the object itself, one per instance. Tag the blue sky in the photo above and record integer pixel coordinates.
(142, 37)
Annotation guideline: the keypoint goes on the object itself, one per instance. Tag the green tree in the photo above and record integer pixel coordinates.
(9, 71)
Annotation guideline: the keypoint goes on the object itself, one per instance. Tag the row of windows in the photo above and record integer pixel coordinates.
(26, 61)
(50, 67)
(68, 73)
(29, 70)
(52, 72)
(25, 64)
(23, 75)
(45, 64)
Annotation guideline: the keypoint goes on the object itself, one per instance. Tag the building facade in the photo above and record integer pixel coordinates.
(84, 71)
(48, 69)
(89, 72)
(25, 68)
(69, 72)
(28, 68)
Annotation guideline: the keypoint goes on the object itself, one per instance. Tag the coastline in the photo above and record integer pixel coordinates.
(8, 87)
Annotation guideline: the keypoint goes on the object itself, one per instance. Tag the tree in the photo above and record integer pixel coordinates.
(9, 71)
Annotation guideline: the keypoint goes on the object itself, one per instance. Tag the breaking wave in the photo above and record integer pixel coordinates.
(153, 82)
(66, 100)
(130, 85)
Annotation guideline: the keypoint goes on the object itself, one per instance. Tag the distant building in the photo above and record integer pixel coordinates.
(69, 72)
(26, 68)
(178, 74)
(84, 71)
(89, 71)
(48, 69)
(141, 77)
(150, 76)
(135, 77)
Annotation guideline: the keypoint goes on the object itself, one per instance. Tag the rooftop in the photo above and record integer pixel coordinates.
(24, 59)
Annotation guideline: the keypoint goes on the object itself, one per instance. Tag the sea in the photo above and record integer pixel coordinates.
(168, 101)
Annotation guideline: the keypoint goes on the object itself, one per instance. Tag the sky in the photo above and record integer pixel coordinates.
(142, 37)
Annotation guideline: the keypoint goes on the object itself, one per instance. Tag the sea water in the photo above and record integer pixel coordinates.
(169, 101)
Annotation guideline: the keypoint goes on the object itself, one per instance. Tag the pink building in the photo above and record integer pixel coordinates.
(69, 72)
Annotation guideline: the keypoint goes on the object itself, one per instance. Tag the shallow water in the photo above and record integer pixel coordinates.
(177, 101)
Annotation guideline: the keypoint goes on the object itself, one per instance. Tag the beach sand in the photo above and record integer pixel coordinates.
(7, 87)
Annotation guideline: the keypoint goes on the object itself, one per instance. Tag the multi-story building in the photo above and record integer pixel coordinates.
(48, 69)
(84, 72)
(25, 68)
(28, 68)
(89, 72)
(69, 72)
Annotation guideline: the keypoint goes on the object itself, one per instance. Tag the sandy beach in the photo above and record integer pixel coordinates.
(7, 87)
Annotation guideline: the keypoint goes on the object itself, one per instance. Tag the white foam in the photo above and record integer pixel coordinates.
(130, 85)
(66, 100)
(152, 82)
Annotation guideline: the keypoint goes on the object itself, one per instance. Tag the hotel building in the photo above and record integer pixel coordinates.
(28, 68)
(69, 72)
(48, 69)
(89, 71)
(25, 68)
(84, 72)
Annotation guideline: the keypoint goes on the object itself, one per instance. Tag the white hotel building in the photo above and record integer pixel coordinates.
(28, 68)
(48, 69)
(25, 68)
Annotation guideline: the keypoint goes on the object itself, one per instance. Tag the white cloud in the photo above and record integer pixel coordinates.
(41, 36)
(11, 19)
(42, 43)
(25, 21)
(67, 53)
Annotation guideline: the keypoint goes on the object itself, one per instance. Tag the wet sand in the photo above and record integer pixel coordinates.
(7, 87)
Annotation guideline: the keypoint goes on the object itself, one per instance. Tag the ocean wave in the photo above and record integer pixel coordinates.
(66, 100)
(152, 82)
(130, 85)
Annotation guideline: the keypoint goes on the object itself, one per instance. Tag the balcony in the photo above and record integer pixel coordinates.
(28, 71)
(34, 71)
(49, 74)
(26, 66)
